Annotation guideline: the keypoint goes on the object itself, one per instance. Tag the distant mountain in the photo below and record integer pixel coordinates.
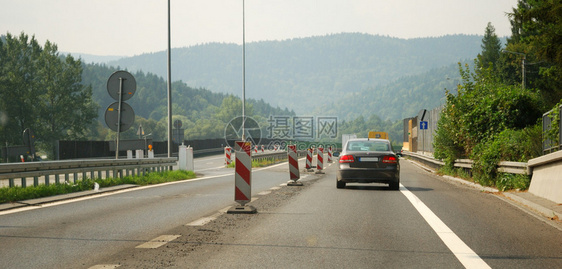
(322, 73)
(90, 58)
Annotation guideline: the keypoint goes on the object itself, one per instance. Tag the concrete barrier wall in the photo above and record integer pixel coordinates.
(546, 181)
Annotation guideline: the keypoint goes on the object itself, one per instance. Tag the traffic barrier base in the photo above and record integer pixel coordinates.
(242, 209)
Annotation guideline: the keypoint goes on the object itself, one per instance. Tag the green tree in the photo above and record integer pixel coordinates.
(42, 91)
(491, 48)
(536, 32)
(65, 106)
(19, 87)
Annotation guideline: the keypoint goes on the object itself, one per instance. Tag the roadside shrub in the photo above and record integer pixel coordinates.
(480, 110)
(508, 181)
(509, 145)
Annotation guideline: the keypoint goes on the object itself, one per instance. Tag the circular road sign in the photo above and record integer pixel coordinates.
(177, 124)
(127, 116)
(129, 85)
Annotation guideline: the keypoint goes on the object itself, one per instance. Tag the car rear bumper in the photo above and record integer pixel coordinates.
(368, 175)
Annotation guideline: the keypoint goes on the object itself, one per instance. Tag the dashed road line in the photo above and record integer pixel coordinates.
(158, 241)
(105, 266)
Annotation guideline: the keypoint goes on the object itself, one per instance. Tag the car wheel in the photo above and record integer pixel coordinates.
(340, 184)
(394, 185)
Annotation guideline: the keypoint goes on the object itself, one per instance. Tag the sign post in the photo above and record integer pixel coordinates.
(423, 127)
(121, 86)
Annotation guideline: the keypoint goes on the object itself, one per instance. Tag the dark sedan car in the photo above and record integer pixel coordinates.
(367, 160)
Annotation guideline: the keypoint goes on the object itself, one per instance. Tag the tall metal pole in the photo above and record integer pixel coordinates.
(243, 71)
(169, 86)
(119, 117)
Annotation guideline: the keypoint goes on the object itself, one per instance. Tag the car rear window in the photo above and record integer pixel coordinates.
(367, 146)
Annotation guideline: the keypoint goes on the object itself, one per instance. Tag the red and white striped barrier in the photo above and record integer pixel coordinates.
(320, 161)
(243, 175)
(294, 173)
(256, 149)
(309, 159)
(228, 155)
(262, 148)
(329, 154)
(243, 178)
(293, 163)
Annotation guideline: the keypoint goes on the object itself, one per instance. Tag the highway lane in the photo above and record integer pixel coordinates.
(368, 226)
(70, 234)
(362, 226)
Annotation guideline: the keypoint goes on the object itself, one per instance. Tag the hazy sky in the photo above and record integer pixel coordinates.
(132, 27)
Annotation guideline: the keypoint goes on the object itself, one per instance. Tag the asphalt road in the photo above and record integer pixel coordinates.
(73, 233)
(429, 223)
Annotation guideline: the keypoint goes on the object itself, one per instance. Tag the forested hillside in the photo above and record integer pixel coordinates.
(204, 113)
(309, 74)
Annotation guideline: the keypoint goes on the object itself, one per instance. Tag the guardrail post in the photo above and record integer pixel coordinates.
(11, 182)
(23, 182)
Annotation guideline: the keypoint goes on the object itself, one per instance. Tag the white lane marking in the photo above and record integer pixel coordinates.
(205, 220)
(159, 241)
(105, 266)
(464, 253)
(212, 168)
(264, 193)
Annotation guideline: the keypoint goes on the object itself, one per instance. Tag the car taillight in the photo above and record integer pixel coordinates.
(347, 159)
(389, 159)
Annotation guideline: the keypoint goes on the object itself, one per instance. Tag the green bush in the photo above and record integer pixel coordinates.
(506, 181)
(509, 145)
(482, 108)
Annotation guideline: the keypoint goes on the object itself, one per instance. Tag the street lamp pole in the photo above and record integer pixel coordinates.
(243, 71)
(522, 65)
(169, 86)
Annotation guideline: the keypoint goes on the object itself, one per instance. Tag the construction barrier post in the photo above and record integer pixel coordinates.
(320, 161)
(294, 173)
(243, 179)
(309, 160)
(227, 155)
(329, 154)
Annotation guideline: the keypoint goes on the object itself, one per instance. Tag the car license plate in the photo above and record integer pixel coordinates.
(368, 159)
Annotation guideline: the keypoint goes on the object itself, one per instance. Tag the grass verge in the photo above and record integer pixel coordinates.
(261, 163)
(14, 194)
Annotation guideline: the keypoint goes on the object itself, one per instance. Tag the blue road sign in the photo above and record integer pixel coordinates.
(423, 125)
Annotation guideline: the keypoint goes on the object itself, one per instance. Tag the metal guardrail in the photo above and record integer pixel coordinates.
(47, 172)
(504, 167)
(76, 169)
(73, 170)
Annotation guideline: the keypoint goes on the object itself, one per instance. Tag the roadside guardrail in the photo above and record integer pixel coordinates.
(76, 169)
(466, 164)
(47, 172)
